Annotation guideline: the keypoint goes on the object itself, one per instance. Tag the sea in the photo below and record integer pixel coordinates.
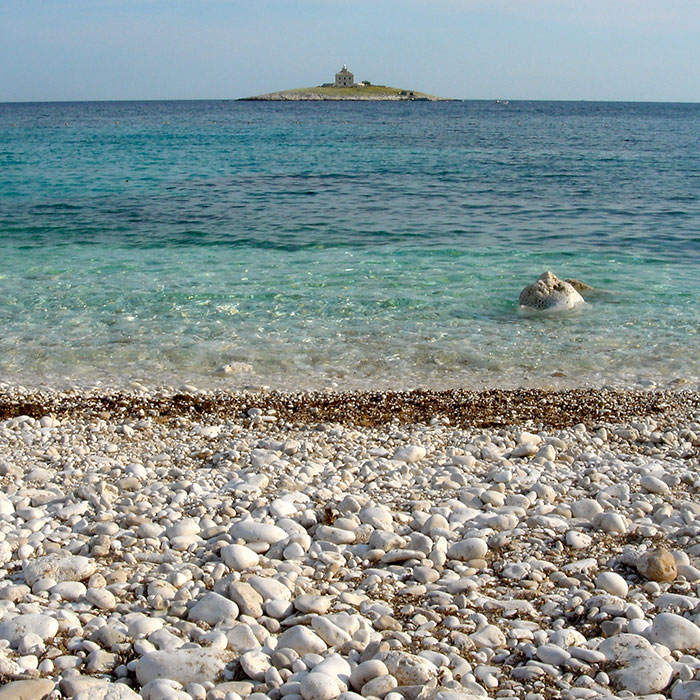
(345, 245)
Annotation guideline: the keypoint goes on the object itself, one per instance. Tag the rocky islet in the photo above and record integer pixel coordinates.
(206, 556)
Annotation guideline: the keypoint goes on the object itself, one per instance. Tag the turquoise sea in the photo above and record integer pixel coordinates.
(347, 245)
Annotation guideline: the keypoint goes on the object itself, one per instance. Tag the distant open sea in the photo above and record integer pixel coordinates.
(347, 245)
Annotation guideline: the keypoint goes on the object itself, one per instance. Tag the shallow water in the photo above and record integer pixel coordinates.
(351, 245)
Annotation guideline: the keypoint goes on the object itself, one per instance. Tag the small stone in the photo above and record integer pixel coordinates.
(366, 671)
(657, 565)
(319, 686)
(612, 583)
(255, 664)
(238, 557)
(552, 654)
(253, 531)
(312, 604)
(409, 453)
(302, 640)
(101, 598)
(213, 609)
(248, 600)
(379, 687)
(488, 636)
(468, 549)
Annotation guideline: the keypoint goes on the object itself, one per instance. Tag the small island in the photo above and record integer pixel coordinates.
(345, 88)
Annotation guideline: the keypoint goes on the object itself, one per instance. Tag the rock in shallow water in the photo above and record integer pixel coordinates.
(550, 293)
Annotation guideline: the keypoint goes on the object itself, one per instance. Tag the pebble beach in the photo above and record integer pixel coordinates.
(419, 545)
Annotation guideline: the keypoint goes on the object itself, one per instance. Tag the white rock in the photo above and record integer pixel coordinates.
(586, 508)
(551, 293)
(101, 598)
(69, 590)
(5, 553)
(488, 636)
(675, 632)
(610, 522)
(578, 540)
(34, 689)
(239, 557)
(302, 640)
(109, 691)
(687, 690)
(378, 517)
(327, 533)
(59, 567)
(252, 531)
(653, 484)
(366, 671)
(241, 639)
(337, 667)
(641, 670)
(214, 609)
(379, 687)
(319, 686)
(255, 664)
(270, 588)
(15, 628)
(182, 665)
(552, 654)
(409, 453)
(408, 669)
(612, 583)
(468, 549)
(329, 632)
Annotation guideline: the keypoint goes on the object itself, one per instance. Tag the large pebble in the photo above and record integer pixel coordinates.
(253, 531)
(34, 689)
(109, 691)
(410, 453)
(468, 549)
(239, 557)
(15, 628)
(214, 609)
(408, 669)
(639, 668)
(182, 665)
(612, 583)
(675, 632)
(319, 686)
(59, 567)
(302, 640)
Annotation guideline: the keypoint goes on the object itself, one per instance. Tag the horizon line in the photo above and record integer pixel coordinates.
(243, 99)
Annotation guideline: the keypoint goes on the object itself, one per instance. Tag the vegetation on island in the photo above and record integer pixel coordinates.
(359, 91)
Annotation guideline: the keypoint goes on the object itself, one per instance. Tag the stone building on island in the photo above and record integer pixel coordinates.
(344, 78)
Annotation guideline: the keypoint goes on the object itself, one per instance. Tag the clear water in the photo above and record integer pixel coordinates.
(345, 245)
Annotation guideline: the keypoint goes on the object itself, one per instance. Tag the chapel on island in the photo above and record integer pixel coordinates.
(344, 78)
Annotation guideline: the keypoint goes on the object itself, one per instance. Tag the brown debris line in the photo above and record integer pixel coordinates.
(464, 408)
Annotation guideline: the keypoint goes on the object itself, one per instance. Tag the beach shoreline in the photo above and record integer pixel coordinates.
(547, 408)
(224, 546)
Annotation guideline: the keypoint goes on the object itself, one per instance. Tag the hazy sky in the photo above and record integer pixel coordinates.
(515, 49)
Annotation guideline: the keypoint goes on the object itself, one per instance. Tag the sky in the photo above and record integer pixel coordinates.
(639, 50)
